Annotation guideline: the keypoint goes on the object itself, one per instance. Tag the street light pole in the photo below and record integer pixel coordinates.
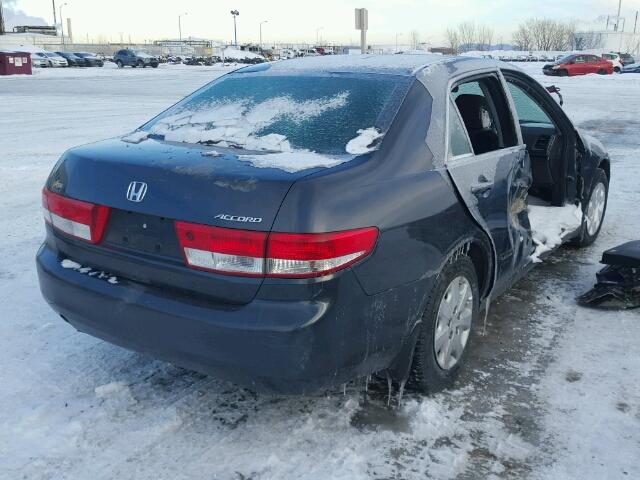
(235, 13)
(397, 35)
(317, 32)
(180, 30)
(264, 21)
(61, 22)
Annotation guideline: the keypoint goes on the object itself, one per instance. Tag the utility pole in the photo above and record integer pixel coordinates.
(264, 21)
(618, 17)
(317, 33)
(1, 20)
(235, 13)
(635, 25)
(55, 20)
(397, 35)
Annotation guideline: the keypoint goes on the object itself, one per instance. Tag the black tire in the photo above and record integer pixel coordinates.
(141, 64)
(563, 73)
(119, 63)
(154, 65)
(602, 72)
(585, 239)
(427, 374)
(616, 69)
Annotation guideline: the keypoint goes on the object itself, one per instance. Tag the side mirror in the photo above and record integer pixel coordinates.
(556, 90)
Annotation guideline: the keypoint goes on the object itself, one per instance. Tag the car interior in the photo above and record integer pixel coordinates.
(486, 118)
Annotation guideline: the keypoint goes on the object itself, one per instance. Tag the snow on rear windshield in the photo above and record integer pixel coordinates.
(283, 113)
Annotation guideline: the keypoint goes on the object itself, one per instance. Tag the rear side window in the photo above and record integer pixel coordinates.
(458, 141)
(486, 115)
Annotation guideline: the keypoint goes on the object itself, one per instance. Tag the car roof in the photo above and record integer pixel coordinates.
(403, 65)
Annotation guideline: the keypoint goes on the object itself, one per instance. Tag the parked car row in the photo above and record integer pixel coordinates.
(66, 59)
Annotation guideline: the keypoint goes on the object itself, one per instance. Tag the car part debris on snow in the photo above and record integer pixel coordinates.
(618, 285)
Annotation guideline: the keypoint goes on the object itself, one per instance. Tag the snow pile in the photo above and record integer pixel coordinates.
(293, 161)
(135, 137)
(364, 142)
(110, 388)
(238, 123)
(550, 225)
(237, 54)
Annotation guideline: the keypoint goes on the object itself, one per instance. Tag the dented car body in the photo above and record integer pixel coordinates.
(354, 264)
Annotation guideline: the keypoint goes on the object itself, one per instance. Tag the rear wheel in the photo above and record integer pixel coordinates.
(446, 327)
(602, 71)
(616, 69)
(594, 209)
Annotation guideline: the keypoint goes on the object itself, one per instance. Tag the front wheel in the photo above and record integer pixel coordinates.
(616, 69)
(594, 210)
(563, 73)
(447, 323)
(119, 63)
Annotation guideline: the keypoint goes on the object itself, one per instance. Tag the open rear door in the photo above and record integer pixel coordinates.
(490, 168)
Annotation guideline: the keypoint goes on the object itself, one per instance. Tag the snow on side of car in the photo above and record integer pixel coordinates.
(71, 265)
(549, 225)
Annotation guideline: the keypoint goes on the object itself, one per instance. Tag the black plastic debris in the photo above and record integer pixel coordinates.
(618, 285)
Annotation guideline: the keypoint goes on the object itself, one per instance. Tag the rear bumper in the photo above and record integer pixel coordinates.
(285, 347)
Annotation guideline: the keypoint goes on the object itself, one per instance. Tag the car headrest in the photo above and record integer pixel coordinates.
(475, 111)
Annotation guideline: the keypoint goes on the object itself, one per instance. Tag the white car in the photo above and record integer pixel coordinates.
(38, 60)
(50, 59)
(615, 60)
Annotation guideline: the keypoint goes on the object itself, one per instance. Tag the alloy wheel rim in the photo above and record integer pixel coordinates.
(453, 323)
(595, 209)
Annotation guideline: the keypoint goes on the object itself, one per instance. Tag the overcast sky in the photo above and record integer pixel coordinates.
(298, 20)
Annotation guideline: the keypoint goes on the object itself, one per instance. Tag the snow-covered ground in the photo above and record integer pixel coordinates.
(552, 390)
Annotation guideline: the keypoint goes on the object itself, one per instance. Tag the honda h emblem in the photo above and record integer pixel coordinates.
(136, 191)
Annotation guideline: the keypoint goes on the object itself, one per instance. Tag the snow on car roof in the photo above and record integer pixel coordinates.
(389, 64)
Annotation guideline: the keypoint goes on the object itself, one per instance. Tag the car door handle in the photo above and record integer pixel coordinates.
(481, 188)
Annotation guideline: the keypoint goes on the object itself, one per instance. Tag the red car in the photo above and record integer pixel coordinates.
(581, 64)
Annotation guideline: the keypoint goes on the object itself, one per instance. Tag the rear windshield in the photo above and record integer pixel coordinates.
(284, 112)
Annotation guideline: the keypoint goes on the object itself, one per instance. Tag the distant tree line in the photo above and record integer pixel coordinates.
(534, 34)
(469, 36)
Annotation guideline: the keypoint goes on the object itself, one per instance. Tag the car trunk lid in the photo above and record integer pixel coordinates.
(182, 182)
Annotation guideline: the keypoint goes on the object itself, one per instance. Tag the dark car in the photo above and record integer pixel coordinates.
(293, 225)
(90, 59)
(134, 58)
(581, 64)
(626, 59)
(633, 68)
(72, 60)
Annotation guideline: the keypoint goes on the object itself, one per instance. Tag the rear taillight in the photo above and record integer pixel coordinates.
(223, 250)
(82, 220)
(283, 255)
